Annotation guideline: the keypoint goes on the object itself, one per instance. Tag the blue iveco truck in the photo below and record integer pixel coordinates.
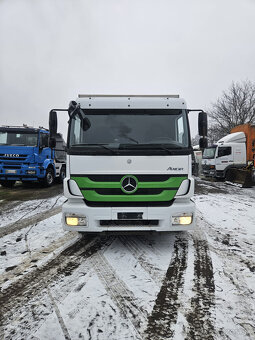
(25, 155)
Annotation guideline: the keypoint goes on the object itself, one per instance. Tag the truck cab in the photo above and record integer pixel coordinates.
(25, 156)
(128, 164)
(229, 152)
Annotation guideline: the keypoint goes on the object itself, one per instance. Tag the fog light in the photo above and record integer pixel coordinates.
(75, 221)
(183, 220)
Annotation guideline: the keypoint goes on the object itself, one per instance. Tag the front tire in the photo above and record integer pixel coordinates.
(7, 184)
(49, 178)
(62, 175)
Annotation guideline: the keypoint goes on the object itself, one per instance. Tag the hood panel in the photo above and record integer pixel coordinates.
(15, 153)
(171, 165)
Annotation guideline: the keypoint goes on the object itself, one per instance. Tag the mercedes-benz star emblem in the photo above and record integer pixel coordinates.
(129, 184)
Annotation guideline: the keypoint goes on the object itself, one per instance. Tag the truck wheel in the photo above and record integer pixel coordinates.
(49, 178)
(62, 175)
(7, 184)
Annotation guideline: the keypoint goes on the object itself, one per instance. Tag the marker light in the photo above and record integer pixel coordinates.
(183, 220)
(75, 221)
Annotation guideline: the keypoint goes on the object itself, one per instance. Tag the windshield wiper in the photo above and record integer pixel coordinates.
(167, 150)
(132, 139)
(97, 145)
(170, 151)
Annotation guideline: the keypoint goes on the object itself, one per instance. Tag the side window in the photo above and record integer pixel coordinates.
(180, 130)
(44, 140)
(75, 137)
(224, 151)
(3, 137)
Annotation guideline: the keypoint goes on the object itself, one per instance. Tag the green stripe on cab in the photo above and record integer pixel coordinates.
(166, 195)
(86, 186)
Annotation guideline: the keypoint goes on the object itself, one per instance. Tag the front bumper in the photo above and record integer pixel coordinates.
(21, 172)
(96, 214)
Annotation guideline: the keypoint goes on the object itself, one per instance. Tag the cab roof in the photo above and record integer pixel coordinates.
(21, 129)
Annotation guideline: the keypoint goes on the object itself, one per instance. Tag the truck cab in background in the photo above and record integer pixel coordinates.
(230, 152)
(233, 156)
(128, 164)
(25, 156)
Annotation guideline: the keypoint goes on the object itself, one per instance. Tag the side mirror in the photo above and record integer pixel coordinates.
(52, 142)
(72, 107)
(202, 123)
(203, 143)
(53, 123)
(86, 124)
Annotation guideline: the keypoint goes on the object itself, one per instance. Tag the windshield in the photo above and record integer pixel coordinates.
(129, 129)
(18, 138)
(209, 153)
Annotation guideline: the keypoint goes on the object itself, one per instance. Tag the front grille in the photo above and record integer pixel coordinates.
(124, 223)
(96, 204)
(117, 178)
(6, 158)
(120, 192)
(113, 190)
(12, 166)
(206, 167)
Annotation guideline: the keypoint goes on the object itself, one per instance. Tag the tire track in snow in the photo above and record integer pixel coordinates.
(201, 316)
(232, 261)
(58, 314)
(164, 314)
(32, 284)
(26, 222)
(31, 259)
(226, 241)
(155, 273)
(120, 294)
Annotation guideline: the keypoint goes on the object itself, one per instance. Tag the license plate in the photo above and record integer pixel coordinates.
(10, 171)
(130, 216)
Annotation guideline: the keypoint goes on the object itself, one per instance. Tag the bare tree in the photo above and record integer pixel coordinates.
(235, 107)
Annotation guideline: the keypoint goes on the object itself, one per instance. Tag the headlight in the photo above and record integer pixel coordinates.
(75, 221)
(183, 220)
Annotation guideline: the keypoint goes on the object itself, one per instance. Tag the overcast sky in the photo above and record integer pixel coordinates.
(51, 50)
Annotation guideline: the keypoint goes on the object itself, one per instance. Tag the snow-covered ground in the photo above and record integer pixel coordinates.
(20, 210)
(197, 285)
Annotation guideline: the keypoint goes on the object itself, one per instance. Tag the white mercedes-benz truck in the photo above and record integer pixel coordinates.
(128, 164)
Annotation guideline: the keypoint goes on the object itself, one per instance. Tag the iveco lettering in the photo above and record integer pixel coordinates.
(128, 163)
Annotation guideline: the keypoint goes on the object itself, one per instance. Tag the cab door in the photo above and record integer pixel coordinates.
(224, 157)
(44, 150)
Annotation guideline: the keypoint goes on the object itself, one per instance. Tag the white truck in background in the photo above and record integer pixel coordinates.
(232, 157)
(128, 164)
